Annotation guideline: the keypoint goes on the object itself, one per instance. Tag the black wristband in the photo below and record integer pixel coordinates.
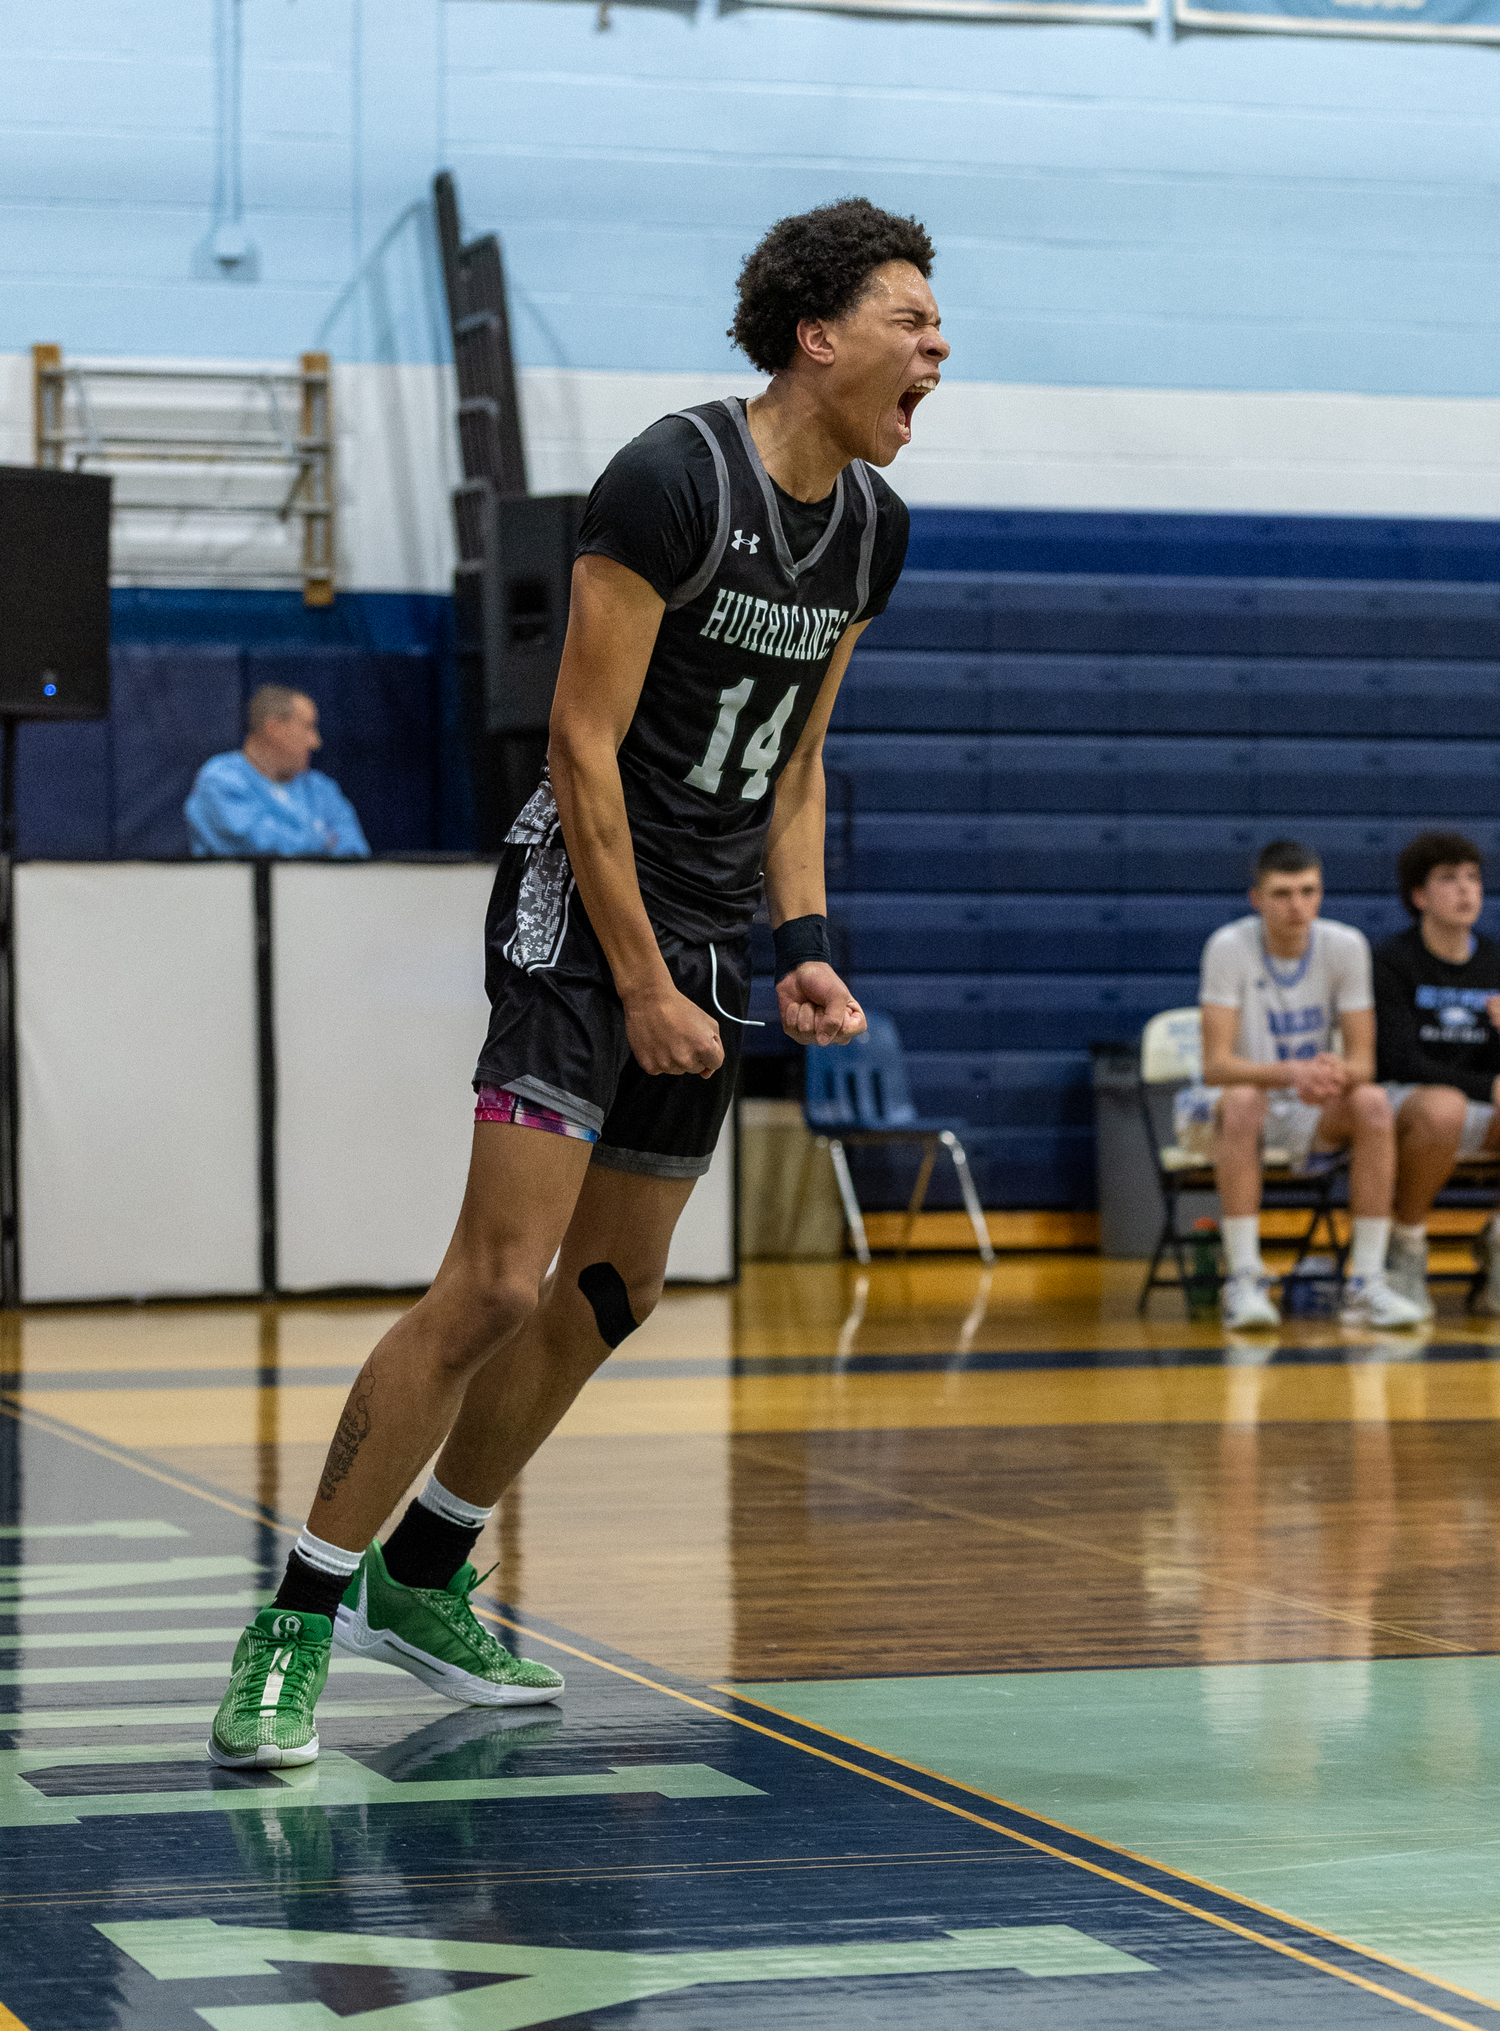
(798, 940)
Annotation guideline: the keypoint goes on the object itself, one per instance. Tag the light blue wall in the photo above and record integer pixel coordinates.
(1112, 207)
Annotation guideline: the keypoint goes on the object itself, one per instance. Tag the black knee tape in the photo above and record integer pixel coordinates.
(604, 1287)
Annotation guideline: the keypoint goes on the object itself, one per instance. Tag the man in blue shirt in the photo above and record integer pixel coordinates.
(264, 799)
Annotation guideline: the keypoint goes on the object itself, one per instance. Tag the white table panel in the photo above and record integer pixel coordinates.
(702, 1249)
(380, 1015)
(139, 1129)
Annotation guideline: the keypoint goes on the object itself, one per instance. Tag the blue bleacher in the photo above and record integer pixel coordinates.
(1058, 779)
(1153, 774)
(1276, 696)
(1057, 933)
(1082, 615)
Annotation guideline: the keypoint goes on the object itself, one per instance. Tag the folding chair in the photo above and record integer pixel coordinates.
(857, 1093)
(1473, 1186)
(1172, 1057)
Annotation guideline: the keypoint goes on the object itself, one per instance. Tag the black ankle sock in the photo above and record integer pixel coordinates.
(308, 1591)
(425, 1549)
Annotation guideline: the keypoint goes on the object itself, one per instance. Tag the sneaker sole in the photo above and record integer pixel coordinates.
(266, 1756)
(1353, 1318)
(352, 1632)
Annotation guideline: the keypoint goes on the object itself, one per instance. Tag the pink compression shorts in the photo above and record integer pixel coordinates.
(493, 1103)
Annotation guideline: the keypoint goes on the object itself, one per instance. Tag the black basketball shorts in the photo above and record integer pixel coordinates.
(557, 1027)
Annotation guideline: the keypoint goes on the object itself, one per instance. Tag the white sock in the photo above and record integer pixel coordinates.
(452, 1508)
(1241, 1237)
(327, 1558)
(1371, 1240)
(1409, 1237)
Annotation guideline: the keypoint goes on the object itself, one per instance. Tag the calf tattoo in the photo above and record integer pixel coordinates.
(354, 1429)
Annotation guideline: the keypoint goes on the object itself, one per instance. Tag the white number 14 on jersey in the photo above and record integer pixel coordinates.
(761, 749)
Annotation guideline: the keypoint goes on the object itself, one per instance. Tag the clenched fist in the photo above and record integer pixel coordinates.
(669, 1033)
(816, 1007)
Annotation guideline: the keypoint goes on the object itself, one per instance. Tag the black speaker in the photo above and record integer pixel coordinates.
(527, 556)
(54, 594)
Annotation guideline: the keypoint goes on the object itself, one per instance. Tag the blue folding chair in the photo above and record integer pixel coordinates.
(857, 1093)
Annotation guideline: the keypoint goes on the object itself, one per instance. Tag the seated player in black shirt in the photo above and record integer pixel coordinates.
(729, 560)
(1437, 1014)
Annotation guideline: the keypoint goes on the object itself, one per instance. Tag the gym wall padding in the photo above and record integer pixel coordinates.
(139, 1122)
(138, 1006)
(168, 705)
(703, 1245)
(378, 711)
(115, 789)
(184, 663)
(380, 1013)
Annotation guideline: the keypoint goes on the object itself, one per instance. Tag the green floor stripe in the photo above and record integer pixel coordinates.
(1360, 1796)
(155, 1673)
(44, 1719)
(80, 1639)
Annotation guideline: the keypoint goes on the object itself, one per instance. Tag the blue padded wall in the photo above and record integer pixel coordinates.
(167, 705)
(63, 800)
(378, 713)
(183, 664)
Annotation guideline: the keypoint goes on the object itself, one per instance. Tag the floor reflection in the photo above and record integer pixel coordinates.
(833, 1470)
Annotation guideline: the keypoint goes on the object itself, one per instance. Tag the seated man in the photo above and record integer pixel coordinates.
(1437, 1005)
(264, 799)
(1275, 986)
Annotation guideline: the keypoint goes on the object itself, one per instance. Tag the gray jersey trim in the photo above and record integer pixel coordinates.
(867, 538)
(703, 576)
(784, 558)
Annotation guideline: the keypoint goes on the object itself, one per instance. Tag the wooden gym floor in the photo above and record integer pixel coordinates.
(938, 1642)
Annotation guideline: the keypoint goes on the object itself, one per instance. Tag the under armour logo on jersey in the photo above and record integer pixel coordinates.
(751, 543)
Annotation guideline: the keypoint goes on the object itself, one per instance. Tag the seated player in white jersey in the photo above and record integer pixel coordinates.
(1437, 1001)
(728, 561)
(1275, 987)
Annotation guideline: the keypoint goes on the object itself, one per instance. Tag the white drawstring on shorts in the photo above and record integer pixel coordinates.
(745, 1022)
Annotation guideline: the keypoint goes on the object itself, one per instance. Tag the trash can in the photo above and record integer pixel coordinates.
(1131, 1208)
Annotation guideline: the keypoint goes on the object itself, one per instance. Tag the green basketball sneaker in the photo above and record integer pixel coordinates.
(431, 1632)
(265, 1719)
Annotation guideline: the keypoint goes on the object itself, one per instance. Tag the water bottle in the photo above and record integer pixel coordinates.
(1203, 1283)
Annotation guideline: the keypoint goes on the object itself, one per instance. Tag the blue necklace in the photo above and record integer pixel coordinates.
(1294, 978)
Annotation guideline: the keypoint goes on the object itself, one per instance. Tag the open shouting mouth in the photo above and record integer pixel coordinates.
(906, 407)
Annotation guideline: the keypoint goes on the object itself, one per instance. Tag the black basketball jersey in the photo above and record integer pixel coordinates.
(741, 654)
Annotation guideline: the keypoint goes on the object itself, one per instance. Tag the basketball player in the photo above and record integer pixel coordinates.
(1275, 986)
(729, 560)
(1437, 998)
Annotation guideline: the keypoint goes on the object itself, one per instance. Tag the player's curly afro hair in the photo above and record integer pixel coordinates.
(817, 265)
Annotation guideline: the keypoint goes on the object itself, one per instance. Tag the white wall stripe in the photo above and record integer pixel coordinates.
(977, 444)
